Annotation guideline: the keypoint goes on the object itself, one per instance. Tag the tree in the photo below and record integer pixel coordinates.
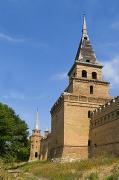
(14, 143)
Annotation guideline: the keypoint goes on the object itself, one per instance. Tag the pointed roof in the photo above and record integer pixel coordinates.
(36, 125)
(84, 28)
(85, 51)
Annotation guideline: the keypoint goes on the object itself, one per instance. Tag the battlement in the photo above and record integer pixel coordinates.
(105, 107)
(105, 113)
(75, 98)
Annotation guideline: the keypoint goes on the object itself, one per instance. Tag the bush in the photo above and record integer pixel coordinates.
(93, 176)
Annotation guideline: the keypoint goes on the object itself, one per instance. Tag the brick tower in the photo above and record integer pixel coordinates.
(71, 113)
(35, 141)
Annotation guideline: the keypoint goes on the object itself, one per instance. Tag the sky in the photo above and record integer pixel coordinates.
(38, 44)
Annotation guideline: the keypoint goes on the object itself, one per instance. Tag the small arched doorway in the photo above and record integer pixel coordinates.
(36, 154)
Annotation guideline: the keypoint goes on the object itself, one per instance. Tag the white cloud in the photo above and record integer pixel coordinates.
(60, 76)
(111, 71)
(20, 96)
(9, 38)
(29, 41)
(115, 25)
(14, 95)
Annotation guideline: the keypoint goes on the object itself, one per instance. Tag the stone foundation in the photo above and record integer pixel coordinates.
(69, 154)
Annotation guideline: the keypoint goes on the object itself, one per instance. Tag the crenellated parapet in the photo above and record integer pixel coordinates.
(105, 113)
(57, 104)
(68, 97)
(105, 107)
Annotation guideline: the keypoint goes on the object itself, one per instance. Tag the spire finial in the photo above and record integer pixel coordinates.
(84, 29)
(37, 120)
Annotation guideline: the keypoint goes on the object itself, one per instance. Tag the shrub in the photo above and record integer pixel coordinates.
(93, 176)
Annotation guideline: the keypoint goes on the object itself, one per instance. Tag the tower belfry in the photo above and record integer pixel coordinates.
(35, 140)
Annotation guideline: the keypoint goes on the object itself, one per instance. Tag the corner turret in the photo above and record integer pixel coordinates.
(35, 141)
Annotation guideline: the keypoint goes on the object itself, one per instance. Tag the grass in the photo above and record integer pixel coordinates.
(91, 169)
(4, 175)
(114, 175)
(66, 171)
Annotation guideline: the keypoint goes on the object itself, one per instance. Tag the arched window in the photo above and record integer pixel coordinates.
(91, 89)
(89, 114)
(94, 75)
(36, 154)
(84, 73)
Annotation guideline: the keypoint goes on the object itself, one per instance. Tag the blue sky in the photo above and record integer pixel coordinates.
(38, 43)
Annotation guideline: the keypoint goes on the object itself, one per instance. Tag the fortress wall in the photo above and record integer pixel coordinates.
(104, 130)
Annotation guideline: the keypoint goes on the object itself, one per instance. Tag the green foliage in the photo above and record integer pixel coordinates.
(14, 144)
(93, 176)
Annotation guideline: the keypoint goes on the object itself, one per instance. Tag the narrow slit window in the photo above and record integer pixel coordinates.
(89, 143)
(91, 89)
(74, 74)
(89, 114)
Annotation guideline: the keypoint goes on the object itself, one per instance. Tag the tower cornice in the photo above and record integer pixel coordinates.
(91, 80)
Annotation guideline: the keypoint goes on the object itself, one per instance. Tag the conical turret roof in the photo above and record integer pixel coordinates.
(36, 125)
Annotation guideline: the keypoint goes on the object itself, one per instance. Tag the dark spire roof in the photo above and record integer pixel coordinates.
(85, 51)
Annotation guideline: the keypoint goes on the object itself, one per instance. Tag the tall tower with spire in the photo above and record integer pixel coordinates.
(71, 113)
(35, 140)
